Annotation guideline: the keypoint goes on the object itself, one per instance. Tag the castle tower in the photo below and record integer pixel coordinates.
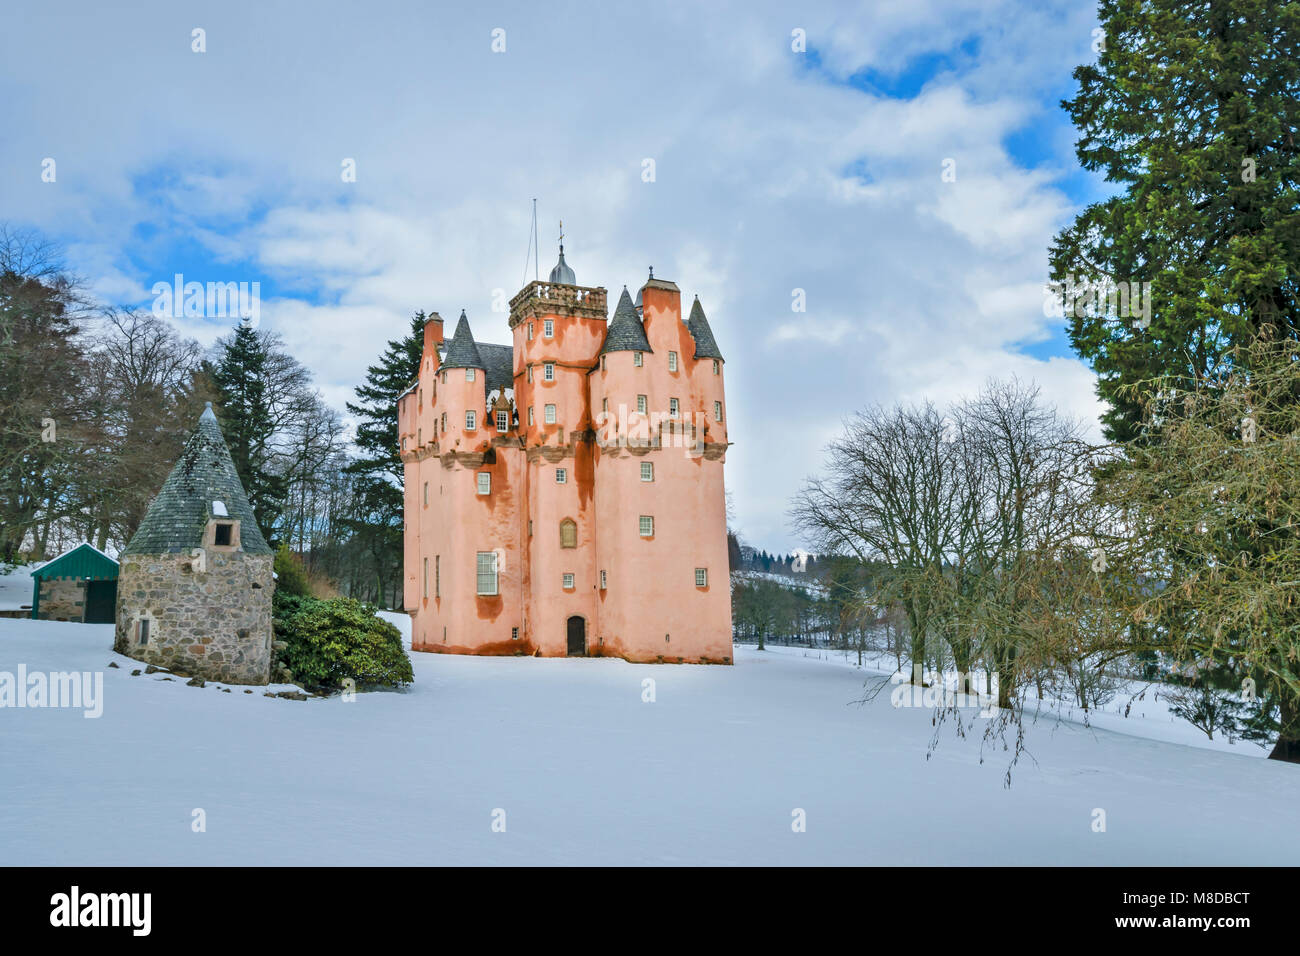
(564, 494)
(194, 589)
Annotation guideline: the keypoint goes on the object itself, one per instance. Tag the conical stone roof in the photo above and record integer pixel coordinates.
(203, 475)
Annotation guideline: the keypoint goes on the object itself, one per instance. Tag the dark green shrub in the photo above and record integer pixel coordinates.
(290, 575)
(328, 641)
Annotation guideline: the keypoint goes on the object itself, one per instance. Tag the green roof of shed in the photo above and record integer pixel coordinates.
(204, 475)
(83, 561)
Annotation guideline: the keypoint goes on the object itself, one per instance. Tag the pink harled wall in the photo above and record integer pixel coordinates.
(651, 608)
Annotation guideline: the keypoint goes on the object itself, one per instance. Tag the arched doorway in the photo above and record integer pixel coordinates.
(577, 637)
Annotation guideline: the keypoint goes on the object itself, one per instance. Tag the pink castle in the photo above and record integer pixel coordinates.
(564, 494)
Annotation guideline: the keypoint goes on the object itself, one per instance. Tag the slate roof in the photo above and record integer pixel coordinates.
(499, 362)
(625, 332)
(179, 514)
(705, 345)
(462, 352)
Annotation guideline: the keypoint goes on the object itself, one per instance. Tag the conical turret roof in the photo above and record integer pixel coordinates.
(202, 485)
(625, 332)
(461, 351)
(705, 345)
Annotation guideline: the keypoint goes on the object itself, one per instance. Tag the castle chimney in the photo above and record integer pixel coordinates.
(433, 332)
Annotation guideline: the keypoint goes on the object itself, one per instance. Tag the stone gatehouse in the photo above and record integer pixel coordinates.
(195, 585)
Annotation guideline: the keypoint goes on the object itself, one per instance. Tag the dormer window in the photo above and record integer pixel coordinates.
(222, 532)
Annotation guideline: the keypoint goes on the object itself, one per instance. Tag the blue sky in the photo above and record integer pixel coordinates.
(775, 170)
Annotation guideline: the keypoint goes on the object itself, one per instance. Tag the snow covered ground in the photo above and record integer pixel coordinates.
(16, 586)
(587, 772)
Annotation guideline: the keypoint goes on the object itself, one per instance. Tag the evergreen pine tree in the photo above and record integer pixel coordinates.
(247, 424)
(378, 470)
(1192, 110)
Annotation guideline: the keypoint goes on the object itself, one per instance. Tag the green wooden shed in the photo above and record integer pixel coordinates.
(78, 585)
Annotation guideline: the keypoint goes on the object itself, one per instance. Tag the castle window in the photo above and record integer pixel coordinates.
(426, 577)
(142, 630)
(444, 376)
(444, 421)
(647, 471)
(530, 375)
(604, 404)
(514, 634)
(641, 404)
(469, 375)
(530, 527)
(548, 372)
(485, 482)
(530, 331)
(701, 577)
(637, 359)
(672, 407)
(487, 573)
(503, 421)
(561, 476)
(421, 398)
(716, 367)
(471, 420)
(602, 580)
(548, 328)
(717, 411)
(550, 414)
(437, 575)
(672, 361)
(426, 494)
(419, 437)
(647, 526)
(568, 581)
(568, 533)
(603, 364)
(221, 535)
(403, 443)
(530, 416)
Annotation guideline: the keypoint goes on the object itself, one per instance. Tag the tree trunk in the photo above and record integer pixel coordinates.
(1288, 739)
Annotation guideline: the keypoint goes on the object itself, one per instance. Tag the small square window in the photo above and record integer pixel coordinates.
(637, 359)
(471, 420)
(503, 421)
(641, 404)
(568, 582)
(647, 471)
(701, 577)
(222, 534)
(485, 482)
(548, 372)
(647, 526)
(469, 374)
(672, 361)
(561, 476)
(548, 328)
(550, 414)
